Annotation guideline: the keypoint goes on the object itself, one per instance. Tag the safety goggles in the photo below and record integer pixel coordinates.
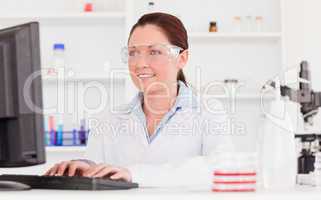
(153, 54)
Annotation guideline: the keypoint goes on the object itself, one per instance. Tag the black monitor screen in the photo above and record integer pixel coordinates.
(21, 117)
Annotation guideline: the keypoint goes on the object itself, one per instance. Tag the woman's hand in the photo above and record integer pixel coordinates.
(70, 168)
(113, 172)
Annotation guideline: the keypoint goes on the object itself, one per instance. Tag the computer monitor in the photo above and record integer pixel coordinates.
(21, 117)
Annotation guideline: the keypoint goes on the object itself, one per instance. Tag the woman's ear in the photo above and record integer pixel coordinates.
(182, 59)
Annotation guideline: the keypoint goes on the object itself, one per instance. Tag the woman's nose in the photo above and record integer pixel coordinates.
(142, 62)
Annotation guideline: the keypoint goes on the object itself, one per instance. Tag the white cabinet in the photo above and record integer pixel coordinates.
(92, 40)
(227, 54)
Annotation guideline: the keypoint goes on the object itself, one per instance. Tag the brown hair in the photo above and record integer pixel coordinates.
(172, 27)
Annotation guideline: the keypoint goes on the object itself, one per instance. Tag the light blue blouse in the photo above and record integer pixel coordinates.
(185, 99)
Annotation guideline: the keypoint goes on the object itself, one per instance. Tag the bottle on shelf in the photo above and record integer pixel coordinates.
(151, 7)
(231, 86)
(213, 26)
(58, 60)
(248, 23)
(88, 6)
(259, 23)
(237, 21)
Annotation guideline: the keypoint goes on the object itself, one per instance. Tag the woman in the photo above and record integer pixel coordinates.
(162, 136)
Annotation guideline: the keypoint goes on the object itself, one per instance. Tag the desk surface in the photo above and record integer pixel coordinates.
(299, 193)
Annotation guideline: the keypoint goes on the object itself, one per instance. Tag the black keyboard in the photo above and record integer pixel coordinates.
(69, 183)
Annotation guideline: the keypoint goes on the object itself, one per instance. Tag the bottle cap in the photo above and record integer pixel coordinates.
(231, 81)
(59, 46)
(88, 7)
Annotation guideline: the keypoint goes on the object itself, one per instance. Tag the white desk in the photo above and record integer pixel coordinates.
(299, 193)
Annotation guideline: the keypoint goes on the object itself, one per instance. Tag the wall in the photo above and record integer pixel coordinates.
(312, 45)
(301, 41)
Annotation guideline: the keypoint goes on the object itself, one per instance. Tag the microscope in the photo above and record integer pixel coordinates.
(308, 144)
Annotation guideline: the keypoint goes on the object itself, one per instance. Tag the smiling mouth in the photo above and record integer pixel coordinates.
(145, 76)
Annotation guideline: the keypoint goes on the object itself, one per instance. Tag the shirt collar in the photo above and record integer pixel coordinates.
(185, 99)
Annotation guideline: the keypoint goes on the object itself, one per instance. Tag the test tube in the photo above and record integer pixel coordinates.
(52, 131)
(59, 138)
(82, 132)
(74, 135)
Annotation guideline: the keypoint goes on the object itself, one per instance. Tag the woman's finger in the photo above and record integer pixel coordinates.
(48, 172)
(94, 170)
(53, 170)
(124, 175)
(62, 168)
(107, 171)
(74, 166)
(72, 169)
(118, 175)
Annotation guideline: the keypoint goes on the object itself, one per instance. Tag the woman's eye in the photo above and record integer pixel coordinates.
(155, 52)
(132, 53)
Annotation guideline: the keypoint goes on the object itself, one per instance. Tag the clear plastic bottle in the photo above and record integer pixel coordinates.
(58, 61)
(59, 55)
(248, 23)
(259, 23)
(237, 23)
(278, 155)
